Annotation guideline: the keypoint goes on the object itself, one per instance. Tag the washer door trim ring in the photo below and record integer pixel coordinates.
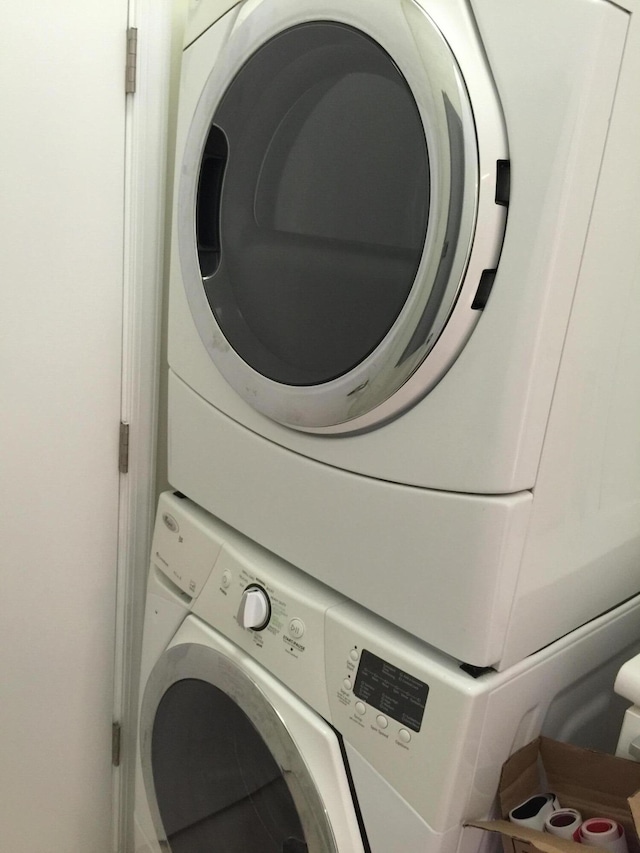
(195, 661)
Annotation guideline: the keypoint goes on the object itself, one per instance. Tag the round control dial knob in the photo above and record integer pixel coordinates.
(255, 609)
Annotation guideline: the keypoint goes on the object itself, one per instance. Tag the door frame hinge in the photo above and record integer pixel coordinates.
(132, 61)
(116, 742)
(123, 448)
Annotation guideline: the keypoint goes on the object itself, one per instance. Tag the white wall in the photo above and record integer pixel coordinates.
(62, 108)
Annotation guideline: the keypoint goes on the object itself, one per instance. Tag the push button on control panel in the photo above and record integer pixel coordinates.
(170, 522)
(296, 628)
(382, 721)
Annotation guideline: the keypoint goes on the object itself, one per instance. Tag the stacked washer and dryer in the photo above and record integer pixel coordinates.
(404, 395)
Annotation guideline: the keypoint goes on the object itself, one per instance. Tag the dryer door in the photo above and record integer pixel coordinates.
(223, 764)
(327, 208)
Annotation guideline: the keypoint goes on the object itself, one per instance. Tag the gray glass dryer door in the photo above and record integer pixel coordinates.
(221, 771)
(326, 211)
(312, 204)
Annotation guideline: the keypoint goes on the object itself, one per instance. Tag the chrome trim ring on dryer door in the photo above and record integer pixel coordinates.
(409, 355)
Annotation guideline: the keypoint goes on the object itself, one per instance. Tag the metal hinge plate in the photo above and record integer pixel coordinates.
(116, 738)
(123, 449)
(132, 60)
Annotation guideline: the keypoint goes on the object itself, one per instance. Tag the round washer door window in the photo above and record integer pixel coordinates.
(220, 768)
(217, 785)
(326, 213)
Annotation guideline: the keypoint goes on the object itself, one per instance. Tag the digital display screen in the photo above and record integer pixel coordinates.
(391, 690)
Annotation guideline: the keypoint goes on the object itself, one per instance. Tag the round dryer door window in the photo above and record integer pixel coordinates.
(326, 213)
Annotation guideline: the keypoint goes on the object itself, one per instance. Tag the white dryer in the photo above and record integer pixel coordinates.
(278, 717)
(404, 286)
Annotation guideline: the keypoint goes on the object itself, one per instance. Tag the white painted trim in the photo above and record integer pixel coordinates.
(145, 192)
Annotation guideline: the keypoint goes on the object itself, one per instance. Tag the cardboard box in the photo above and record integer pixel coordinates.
(596, 784)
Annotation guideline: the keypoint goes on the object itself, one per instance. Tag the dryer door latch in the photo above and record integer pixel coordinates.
(503, 182)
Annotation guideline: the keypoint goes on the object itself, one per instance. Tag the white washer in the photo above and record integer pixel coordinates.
(322, 728)
(370, 374)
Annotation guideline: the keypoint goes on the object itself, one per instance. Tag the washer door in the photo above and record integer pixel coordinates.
(220, 766)
(327, 208)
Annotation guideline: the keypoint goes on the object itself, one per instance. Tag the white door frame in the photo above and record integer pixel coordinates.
(147, 122)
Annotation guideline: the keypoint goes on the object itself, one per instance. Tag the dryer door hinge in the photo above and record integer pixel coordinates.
(132, 58)
(116, 738)
(123, 449)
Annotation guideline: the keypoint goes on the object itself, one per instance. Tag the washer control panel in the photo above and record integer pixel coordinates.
(381, 697)
(402, 706)
(396, 694)
(272, 611)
